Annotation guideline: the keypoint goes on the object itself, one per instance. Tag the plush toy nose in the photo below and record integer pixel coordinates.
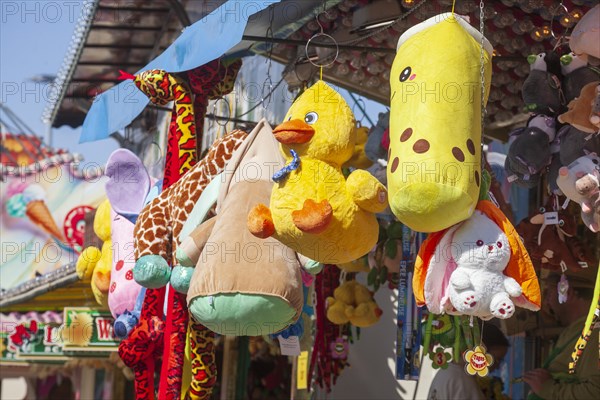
(490, 247)
(294, 131)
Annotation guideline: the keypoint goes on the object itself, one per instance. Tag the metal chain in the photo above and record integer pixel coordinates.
(482, 65)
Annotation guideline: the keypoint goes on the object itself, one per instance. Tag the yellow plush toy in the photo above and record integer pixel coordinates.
(434, 168)
(313, 208)
(359, 265)
(359, 158)
(95, 264)
(352, 302)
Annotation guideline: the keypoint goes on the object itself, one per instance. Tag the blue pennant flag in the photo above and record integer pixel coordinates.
(201, 42)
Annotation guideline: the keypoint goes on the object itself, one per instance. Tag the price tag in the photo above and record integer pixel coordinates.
(551, 218)
(302, 371)
(289, 346)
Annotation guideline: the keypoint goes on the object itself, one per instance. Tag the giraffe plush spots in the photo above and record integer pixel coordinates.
(434, 161)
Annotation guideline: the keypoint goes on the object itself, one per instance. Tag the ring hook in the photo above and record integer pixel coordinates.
(316, 35)
(215, 114)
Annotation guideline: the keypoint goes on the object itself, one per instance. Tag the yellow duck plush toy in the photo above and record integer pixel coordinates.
(95, 264)
(353, 302)
(313, 208)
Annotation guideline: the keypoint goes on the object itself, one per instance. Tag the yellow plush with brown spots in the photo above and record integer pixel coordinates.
(313, 208)
(434, 167)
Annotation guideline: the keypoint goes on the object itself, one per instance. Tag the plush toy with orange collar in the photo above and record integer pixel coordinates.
(478, 267)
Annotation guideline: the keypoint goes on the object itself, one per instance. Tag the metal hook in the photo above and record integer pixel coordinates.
(554, 14)
(322, 33)
(262, 93)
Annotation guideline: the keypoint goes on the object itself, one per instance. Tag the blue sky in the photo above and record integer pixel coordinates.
(34, 38)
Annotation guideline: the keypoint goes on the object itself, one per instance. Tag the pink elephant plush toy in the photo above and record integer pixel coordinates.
(129, 188)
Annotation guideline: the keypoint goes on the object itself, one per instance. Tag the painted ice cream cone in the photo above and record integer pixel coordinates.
(38, 213)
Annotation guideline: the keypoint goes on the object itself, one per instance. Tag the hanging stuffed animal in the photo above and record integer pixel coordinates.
(155, 230)
(95, 264)
(541, 88)
(579, 182)
(580, 109)
(529, 152)
(243, 285)
(552, 244)
(314, 209)
(434, 163)
(584, 37)
(359, 159)
(478, 267)
(127, 189)
(374, 148)
(576, 74)
(352, 302)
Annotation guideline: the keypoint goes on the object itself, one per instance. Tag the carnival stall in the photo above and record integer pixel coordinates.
(284, 246)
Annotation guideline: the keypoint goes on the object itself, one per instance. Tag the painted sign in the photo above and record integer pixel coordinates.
(42, 221)
(86, 329)
(32, 340)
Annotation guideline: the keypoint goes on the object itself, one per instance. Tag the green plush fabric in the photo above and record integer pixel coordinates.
(151, 271)
(241, 314)
(181, 277)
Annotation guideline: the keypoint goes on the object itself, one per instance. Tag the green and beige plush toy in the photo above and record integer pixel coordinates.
(242, 285)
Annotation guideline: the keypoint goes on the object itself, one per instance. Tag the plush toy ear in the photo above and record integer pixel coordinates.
(432, 270)
(519, 267)
(128, 183)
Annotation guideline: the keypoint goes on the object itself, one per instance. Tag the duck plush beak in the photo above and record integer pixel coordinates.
(294, 131)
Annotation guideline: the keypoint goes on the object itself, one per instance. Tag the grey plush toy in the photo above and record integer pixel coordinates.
(541, 89)
(576, 74)
(373, 148)
(529, 152)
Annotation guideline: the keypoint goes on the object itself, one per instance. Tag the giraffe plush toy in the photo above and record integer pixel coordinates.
(155, 230)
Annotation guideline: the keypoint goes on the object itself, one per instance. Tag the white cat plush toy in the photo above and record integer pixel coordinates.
(477, 285)
(477, 267)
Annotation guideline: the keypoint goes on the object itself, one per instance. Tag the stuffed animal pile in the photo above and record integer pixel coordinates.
(561, 140)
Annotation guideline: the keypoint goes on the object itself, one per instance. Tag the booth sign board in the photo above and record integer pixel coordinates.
(88, 330)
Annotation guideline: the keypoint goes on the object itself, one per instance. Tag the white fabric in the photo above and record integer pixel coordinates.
(454, 383)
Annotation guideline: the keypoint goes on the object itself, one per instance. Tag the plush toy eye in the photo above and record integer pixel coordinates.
(289, 118)
(499, 245)
(311, 117)
(595, 161)
(405, 74)
(479, 242)
(542, 210)
(561, 223)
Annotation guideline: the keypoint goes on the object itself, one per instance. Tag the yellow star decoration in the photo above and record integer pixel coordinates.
(478, 361)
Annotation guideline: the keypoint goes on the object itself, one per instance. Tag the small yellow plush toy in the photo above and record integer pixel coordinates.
(313, 208)
(434, 167)
(359, 265)
(95, 264)
(353, 302)
(359, 158)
